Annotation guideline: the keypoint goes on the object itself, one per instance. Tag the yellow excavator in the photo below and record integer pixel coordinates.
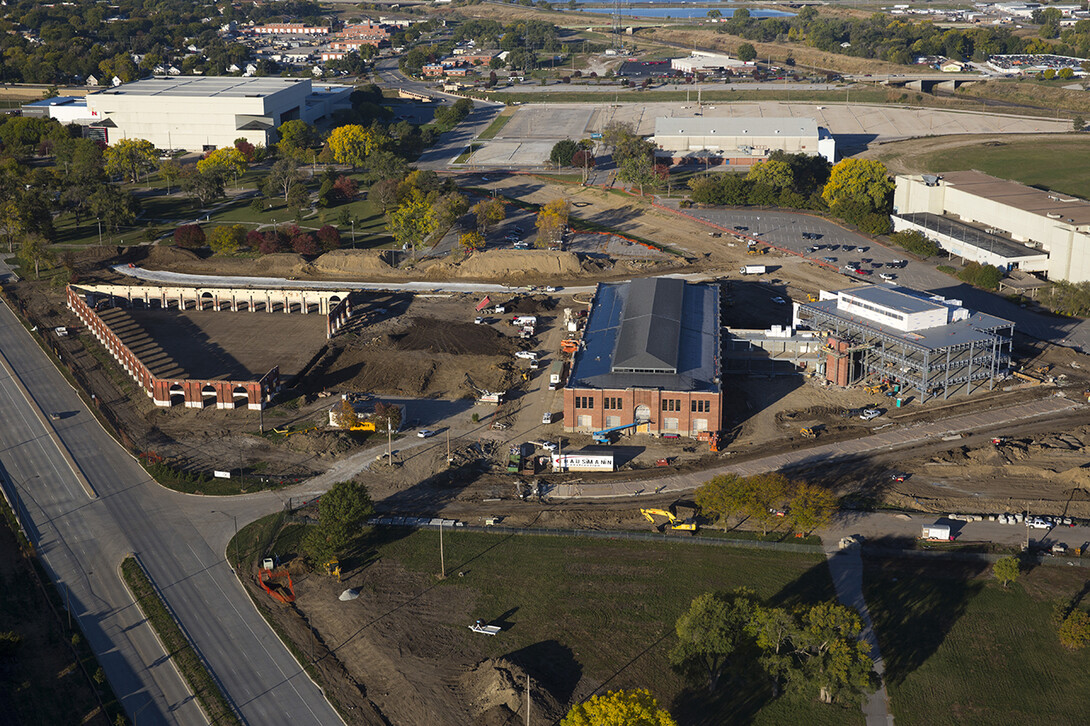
(672, 521)
(808, 433)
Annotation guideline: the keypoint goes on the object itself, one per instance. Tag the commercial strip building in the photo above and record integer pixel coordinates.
(649, 360)
(704, 62)
(908, 339)
(994, 221)
(738, 141)
(200, 113)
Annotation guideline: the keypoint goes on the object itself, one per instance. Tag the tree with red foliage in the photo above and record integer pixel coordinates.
(189, 236)
(246, 149)
(583, 159)
(329, 238)
(254, 239)
(270, 243)
(346, 188)
(304, 244)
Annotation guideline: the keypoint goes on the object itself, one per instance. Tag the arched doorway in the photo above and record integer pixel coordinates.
(208, 395)
(177, 394)
(241, 396)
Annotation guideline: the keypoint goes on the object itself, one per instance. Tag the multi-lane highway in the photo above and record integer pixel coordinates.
(180, 540)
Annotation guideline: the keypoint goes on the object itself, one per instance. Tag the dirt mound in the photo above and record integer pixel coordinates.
(531, 304)
(283, 264)
(355, 263)
(497, 689)
(508, 264)
(439, 336)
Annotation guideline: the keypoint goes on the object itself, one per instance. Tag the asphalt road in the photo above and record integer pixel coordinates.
(180, 540)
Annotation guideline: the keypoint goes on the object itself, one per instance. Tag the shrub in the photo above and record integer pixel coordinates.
(304, 243)
(983, 276)
(189, 236)
(916, 243)
(346, 188)
(947, 269)
(254, 239)
(270, 243)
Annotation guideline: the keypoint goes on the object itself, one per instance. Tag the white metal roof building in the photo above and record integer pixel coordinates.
(739, 140)
(198, 113)
(998, 222)
(704, 61)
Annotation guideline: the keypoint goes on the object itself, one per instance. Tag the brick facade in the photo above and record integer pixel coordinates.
(692, 412)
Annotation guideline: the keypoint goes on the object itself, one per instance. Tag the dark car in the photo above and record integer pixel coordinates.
(740, 228)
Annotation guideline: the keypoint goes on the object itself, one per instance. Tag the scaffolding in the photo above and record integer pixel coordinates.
(857, 352)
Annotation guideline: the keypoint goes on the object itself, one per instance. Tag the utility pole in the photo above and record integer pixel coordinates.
(527, 699)
(442, 558)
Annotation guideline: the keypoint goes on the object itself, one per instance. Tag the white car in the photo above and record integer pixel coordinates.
(527, 354)
(546, 418)
(478, 321)
(887, 276)
(551, 288)
(870, 414)
(425, 433)
(1038, 523)
(548, 445)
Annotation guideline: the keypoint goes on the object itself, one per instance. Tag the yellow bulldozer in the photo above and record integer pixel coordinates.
(688, 525)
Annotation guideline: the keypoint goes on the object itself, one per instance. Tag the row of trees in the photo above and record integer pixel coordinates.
(859, 191)
(769, 501)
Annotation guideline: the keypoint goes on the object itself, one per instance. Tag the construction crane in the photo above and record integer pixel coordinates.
(672, 522)
(602, 437)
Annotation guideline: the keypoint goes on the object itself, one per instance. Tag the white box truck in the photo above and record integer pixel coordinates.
(753, 270)
(937, 533)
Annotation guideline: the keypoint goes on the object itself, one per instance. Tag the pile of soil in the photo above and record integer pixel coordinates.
(497, 689)
(174, 259)
(439, 336)
(354, 263)
(507, 264)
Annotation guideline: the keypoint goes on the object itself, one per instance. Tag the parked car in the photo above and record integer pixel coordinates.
(779, 301)
(551, 288)
(870, 414)
(1038, 523)
(861, 249)
(740, 228)
(829, 260)
(425, 433)
(887, 276)
(527, 354)
(899, 476)
(861, 271)
(548, 445)
(478, 320)
(546, 418)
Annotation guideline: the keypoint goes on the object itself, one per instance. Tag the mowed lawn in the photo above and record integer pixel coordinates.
(614, 605)
(961, 650)
(1057, 163)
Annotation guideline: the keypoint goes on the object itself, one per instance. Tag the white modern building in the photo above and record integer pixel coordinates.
(738, 141)
(703, 62)
(66, 109)
(994, 221)
(200, 113)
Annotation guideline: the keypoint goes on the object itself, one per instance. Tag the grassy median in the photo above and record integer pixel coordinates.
(200, 680)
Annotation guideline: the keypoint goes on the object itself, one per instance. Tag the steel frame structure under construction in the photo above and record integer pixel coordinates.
(942, 362)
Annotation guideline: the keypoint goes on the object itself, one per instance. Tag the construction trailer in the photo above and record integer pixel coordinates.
(911, 340)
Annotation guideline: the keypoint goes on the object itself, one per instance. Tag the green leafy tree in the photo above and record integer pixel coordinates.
(283, 177)
(296, 139)
(724, 496)
(710, 633)
(1006, 570)
(489, 213)
(638, 170)
(129, 157)
(619, 708)
(227, 162)
(746, 51)
(449, 207)
(204, 186)
(1074, 631)
(113, 206)
(171, 172)
(830, 662)
(810, 507)
(342, 512)
(387, 416)
(562, 152)
(916, 243)
(35, 252)
(412, 222)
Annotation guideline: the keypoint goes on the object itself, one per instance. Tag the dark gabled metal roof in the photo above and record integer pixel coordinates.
(650, 329)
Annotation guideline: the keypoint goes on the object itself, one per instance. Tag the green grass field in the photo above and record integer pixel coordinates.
(613, 604)
(1057, 164)
(960, 650)
(497, 124)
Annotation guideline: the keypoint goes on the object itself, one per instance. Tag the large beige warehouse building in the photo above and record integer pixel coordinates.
(738, 141)
(999, 222)
(199, 113)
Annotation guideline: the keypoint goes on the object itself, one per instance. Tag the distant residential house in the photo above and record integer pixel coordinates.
(316, 71)
(952, 67)
(92, 80)
(115, 81)
(233, 68)
(249, 70)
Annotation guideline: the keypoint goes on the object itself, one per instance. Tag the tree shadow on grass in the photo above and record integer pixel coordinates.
(913, 606)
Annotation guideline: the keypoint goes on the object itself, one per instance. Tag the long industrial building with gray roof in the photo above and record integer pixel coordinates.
(649, 362)
(908, 339)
